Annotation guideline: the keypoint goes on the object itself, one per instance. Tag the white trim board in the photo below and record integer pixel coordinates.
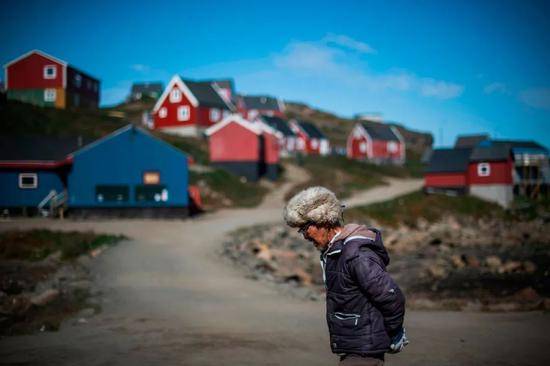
(237, 119)
(38, 52)
(176, 81)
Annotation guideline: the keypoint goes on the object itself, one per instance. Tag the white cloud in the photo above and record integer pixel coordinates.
(140, 68)
(536, 98)
(323, 62)
(495, 87)
(348, 42)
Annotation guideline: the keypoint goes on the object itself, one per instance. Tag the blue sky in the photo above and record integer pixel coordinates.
(437, 66)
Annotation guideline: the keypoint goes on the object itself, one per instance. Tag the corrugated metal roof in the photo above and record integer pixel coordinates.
(261, 102)
(205, 94)
(449, 160)
(379, 131)
(39, 148)
(279, 124)
(311, 130)
(470, 140)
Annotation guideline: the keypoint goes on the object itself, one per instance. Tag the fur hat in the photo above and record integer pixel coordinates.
(316, 205)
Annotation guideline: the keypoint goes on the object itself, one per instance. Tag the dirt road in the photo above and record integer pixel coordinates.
(169, 298)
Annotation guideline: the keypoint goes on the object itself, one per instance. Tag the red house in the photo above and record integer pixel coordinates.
(309, 139)
(287, 140)
(447, 171)
(44, 80)
(189, 107)
(376, 142)
(244, 148)
(251, 106)
(490, 173)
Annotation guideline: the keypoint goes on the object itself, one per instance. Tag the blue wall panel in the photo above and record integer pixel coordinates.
(121, 159)
(13, 196)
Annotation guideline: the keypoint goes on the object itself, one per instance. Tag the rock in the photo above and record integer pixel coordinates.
(298, 275)
(510, 266)
(437, 271)
(528, 294)
(96, 252)
(16, 305)
(493, 262)
(470, 260)
(529, 267)
(45, 297)
(264, 253)
(457, 261)
(504, 306)
(86, 313)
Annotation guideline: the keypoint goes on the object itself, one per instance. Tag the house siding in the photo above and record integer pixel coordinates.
(500, 173)
(122, 159)
(13, 196)
(445, 180)
(28, 73)
(171, 119)
(234, 143)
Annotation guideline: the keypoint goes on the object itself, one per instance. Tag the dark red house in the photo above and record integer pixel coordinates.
(44, 80)
(376, 142)
(309, 139)
(447, 171)
(244, 148)
(189, 107)
(251, 106)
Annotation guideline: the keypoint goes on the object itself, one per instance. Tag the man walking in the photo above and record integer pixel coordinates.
(365, 307)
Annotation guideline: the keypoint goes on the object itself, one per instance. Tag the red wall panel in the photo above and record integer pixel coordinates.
(445, 180)
(500, 173)
(28, 73)
(271, 142)
(234, 143)
(171, 119)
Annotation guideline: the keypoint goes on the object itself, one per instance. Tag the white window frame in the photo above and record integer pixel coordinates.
(314, 144)
(392, 147)
(50, 95)
(28, 175)
(163, 112)
(175, 95)
(215, 114)
(483, 169)
(184, 113)
(53, 75)
(77, 80)
(363, 147)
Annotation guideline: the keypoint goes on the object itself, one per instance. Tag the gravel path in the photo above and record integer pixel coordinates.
(169, 297)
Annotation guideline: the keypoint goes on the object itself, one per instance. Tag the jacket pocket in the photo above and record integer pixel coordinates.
(346, 323)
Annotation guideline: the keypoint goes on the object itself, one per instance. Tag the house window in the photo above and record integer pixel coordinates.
(28, 181)
(50, 72)
(77, 80)
(183, 113)
(49, 95)
(483, 169)
(163, 112)
(214, 114)
(392, 146)
(314, 144)
(151, 193)
(112, 193)
(363, 147)
(175, 96)
(225, 114)
(301, 144)
(151, 178)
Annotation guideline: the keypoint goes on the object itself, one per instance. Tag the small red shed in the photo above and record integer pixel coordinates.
(309, 139)
(245, 148)
(376, 142)
(447, 171)
(490, 173)
(189, 107)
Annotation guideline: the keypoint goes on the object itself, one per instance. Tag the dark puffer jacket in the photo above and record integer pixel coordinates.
(365, 307)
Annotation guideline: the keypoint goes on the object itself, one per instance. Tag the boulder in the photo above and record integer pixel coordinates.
(437, 271)
(493, 262)
(457, 261)
(509, 267)
(45, 297)
(529, 267)
(470, 260)
(527, 294)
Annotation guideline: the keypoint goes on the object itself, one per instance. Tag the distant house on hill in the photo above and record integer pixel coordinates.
(189, 107)
(470, 141)
(251, 106)
(288, 140)
(150, 90)
(376, 142)
(310, 140)
(44, 80)
(126, 173)
(244, 148)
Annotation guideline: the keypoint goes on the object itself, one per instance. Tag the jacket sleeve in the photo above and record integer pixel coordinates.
(381, 290)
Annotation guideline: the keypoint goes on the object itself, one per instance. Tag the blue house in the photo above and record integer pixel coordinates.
(126, 173)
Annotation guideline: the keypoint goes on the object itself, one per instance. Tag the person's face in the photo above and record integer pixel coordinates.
(318, 235)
